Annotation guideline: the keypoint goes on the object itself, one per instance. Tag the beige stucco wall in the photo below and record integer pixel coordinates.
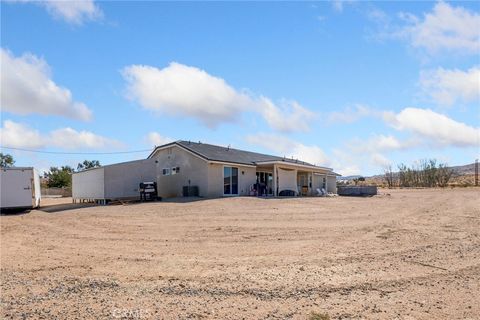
(207, 176)
(191, 167)
(246, 178)
(317, 183)
(332, 184)
(122, 180)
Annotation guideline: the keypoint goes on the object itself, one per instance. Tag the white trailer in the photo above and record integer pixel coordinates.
(19, 188)
(112, 182)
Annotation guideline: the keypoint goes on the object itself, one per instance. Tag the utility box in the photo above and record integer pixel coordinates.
(19, 188)
(190, 191)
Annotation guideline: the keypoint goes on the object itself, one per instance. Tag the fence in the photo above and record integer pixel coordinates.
(58, 192)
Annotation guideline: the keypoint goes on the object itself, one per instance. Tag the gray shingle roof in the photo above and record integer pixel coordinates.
(225, 154)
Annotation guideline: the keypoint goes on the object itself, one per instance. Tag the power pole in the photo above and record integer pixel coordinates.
(476, 172)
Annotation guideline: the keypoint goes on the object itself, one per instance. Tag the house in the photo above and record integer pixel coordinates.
(223, 171)
(211, 171)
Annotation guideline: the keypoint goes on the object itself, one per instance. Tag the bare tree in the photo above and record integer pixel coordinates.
(443, 175)
(402, 175)
(424, 173)
(389, 176)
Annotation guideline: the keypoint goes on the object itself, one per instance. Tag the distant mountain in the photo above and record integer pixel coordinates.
(348, 177)
(464, 170)
(467, 169)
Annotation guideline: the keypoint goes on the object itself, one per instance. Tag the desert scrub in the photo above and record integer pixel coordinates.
(318, 316)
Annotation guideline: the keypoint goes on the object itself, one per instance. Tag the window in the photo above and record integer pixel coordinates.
(324, 183)
(174, 170)
(166, 171)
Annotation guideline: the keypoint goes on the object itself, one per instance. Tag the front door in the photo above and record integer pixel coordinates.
(230, 181)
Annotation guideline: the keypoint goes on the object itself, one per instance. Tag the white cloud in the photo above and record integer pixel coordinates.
(72, 11)
(27, 88)
(352, 170)
(290, 116)
(378, 16)
(338, 5)
(380, 143)
(445, 28)
(155, 139)
(449, 86)
(437, 128)
(183, 90)
(369, 152)
(427, 128)
(379, 160)
(68, 138)
(188, 91)
(75, 12)
(350, 115)
(18, 135)
(283, 146)
(346, 162)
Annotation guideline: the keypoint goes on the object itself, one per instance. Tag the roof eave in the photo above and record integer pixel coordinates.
(162, 147)
(292, 164)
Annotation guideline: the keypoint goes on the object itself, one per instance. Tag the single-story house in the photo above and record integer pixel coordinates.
(211, 170)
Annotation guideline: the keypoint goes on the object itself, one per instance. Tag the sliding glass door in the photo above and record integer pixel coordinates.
(230, 181)
(265, 183)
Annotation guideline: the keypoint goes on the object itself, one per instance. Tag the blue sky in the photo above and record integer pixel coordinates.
(351, 85)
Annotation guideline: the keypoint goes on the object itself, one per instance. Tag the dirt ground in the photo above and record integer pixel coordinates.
(409, 254)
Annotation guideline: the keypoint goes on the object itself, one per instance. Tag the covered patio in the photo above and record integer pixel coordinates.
(281, 178)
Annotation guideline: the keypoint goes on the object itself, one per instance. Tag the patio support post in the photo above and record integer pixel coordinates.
(296, 183)
(310, 184)
(275, 185)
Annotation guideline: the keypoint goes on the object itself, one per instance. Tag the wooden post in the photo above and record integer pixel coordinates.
(476, 172)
